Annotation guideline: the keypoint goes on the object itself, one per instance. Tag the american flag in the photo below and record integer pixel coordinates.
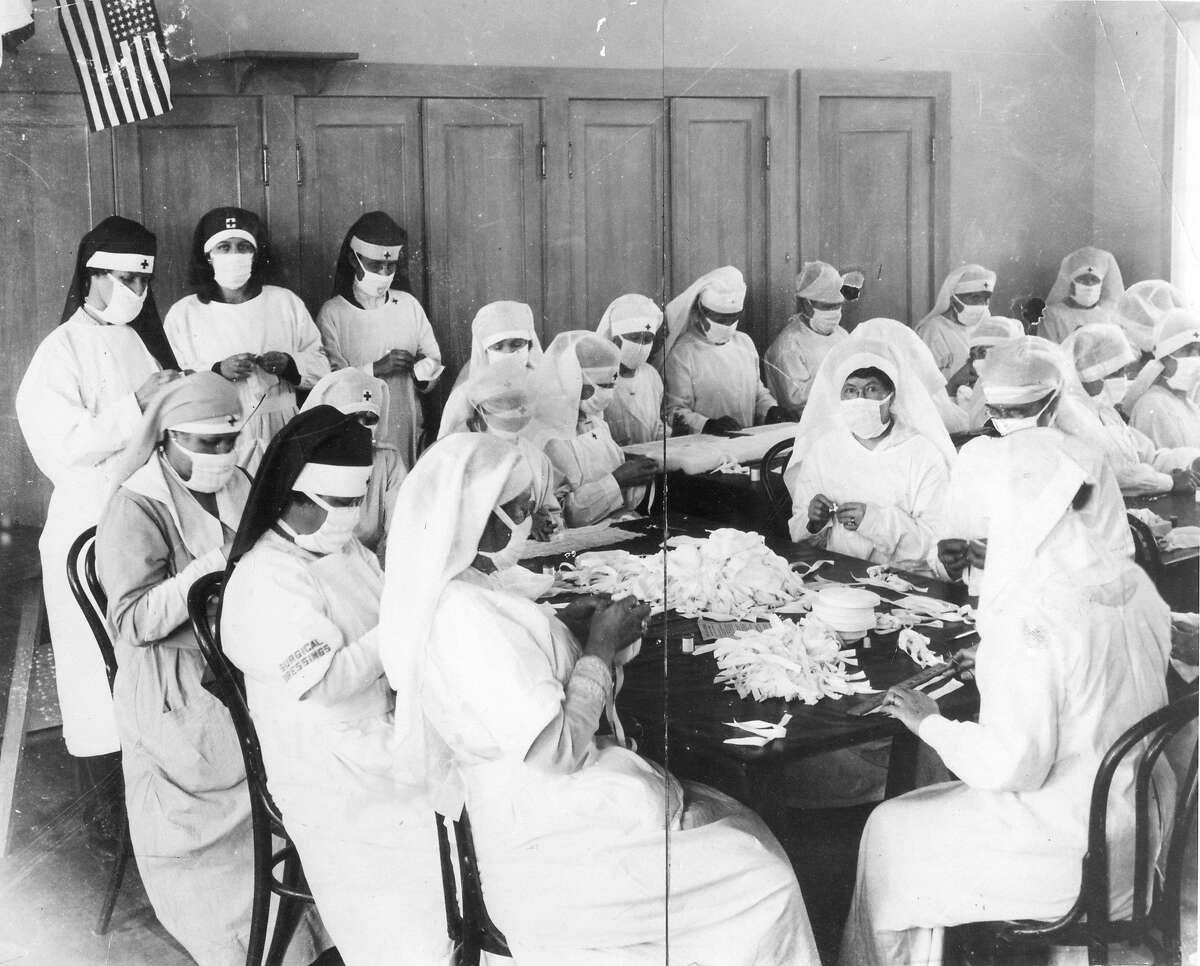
(120, 60)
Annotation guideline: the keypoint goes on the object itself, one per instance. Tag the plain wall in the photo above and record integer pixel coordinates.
(1048, 151)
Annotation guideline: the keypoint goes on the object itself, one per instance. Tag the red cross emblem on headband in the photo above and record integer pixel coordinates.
(366, 395)
(230, 222)
(145, 264)
(231, 419)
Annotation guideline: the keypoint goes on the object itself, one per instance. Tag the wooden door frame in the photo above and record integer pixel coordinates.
(815, 84)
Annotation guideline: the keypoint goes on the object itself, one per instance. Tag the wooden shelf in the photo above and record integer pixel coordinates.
(309, 69)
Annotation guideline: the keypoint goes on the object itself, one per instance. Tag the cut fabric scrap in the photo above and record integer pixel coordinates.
(1159, 527)
(880, 576)
(1181, 538)
(576, 539)
(916, 646)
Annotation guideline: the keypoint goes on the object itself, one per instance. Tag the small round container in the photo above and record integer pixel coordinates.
(848, 610)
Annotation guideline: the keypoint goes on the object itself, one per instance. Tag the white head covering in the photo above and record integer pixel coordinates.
(993, 330)
(962, 281)
(502, 393)
(1142, 308)
(1178, 328)
(721, 290)
(912, 407)
(915, 357)
(497, 321)
(820, 282)
(1088, 259)
(441, 511)
(572, 359)
(352, 391)
(1098, 350)
(1022, 370)
(627, 314)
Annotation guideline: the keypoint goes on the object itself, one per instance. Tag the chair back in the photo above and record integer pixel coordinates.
(90, 596)
(1145, 548)
(204, 600)
(472, 930)
(775, 491)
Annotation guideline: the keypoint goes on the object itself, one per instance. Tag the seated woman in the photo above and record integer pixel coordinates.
(500, 407)
(1074, 651)
(1088, 288)
(1167, 412)
(572, 388)
(299, 618)
(1142, 307)
(503, 334)
(351, 392)
(962, 303)
(171, 521)
(710, 369)
(793, 358)
(991, 332)
(635, 413)
(871, 459)
(1101, 353)
(373, 323)
(498, 706)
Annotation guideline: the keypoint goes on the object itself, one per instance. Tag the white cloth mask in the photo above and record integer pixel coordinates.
(231, 270)
(634, 354)
(719, 333)
(372, 284)
(334, 532)
(1114, 389)
(864, 417)
(1086, 296)
(824, 321)
(597, 402)
(1006, 426)
(972, 314)
(507, 425)
(124, 304)
(518, 359)
(210, 471)
(510, 555)
(1186, 376)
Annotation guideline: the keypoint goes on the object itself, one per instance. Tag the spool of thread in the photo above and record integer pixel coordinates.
(689, 646)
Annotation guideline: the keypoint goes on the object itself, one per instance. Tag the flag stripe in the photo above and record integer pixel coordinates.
(135, 83)
(95, 61)
(147, 78)
(116, 68)
(66, 22)
(162, 76)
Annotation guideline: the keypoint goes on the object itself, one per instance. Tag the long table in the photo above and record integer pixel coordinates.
(671, 706)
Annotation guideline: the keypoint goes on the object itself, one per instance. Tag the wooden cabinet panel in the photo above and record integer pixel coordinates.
(357, 154)
(876, 179)
(483, 203)
(170, 170)
(719, 196)
(57, 182)
(616, 171)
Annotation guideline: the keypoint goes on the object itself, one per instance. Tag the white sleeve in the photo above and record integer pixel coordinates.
(806, 483)
(938, 348)
(175, 325)
(565, 741)
(908, 533)
(327, 325)
(582, 503)
(679, 393)
(308, 353)
(1157, 423)
(1013, 746)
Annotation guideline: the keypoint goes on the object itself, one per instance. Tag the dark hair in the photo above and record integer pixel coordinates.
(200, 270)
(872, 373)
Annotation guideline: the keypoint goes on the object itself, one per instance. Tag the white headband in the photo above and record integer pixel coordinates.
(328, 480)
(977, 285)
(1177, 341)
(378, 252)
(1016, 395)
(229, 425)
(121, 262)
(224, 233)
(635, 323)
(1103, 369)
(594, 375)
(510, 334)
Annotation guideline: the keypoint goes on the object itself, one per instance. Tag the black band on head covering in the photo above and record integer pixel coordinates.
(318, 435)
(121, 235)
(200, 272)
(375, 228)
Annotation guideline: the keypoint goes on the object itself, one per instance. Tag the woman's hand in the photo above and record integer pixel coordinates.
(577, 615)
(274, 363)
(237, 366)
(954, 555)
(850, 515)
(615, 626)
(909, 707)
(635, 471)
(820, 509)
(543, 525)
(154, 382)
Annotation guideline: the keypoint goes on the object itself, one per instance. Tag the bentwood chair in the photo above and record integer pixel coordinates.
(266, 820)
(1145, 549)
(93, 602)
(775, 491)
(1154, 922)
(471, 929)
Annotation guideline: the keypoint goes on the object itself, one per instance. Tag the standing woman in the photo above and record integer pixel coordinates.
(260, 337)
(1088, 289)
(962, 303)
(635, 413)
(373, 324)
(79, 403)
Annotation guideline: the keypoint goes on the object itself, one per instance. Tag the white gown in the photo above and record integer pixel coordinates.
(1059, 680)
(706, 381)
(1169, 418)
(588, 492)
(948, 341)
(553, 808)
(77, 410)
(902, 481)
(635, 413)
(358, 337)
(275, 320)
(1059, 321)
(793, 359)
(303, 629)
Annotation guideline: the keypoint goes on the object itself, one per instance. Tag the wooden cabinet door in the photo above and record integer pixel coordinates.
(719, 196)
(875, 207)
(56, 182)
(616, 161)
(483, 210)
(205, 152)
(357, 154)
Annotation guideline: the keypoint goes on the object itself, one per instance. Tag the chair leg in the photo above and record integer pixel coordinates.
(287, 914)
(1097, 954)
(115, 878)
(260, 903)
